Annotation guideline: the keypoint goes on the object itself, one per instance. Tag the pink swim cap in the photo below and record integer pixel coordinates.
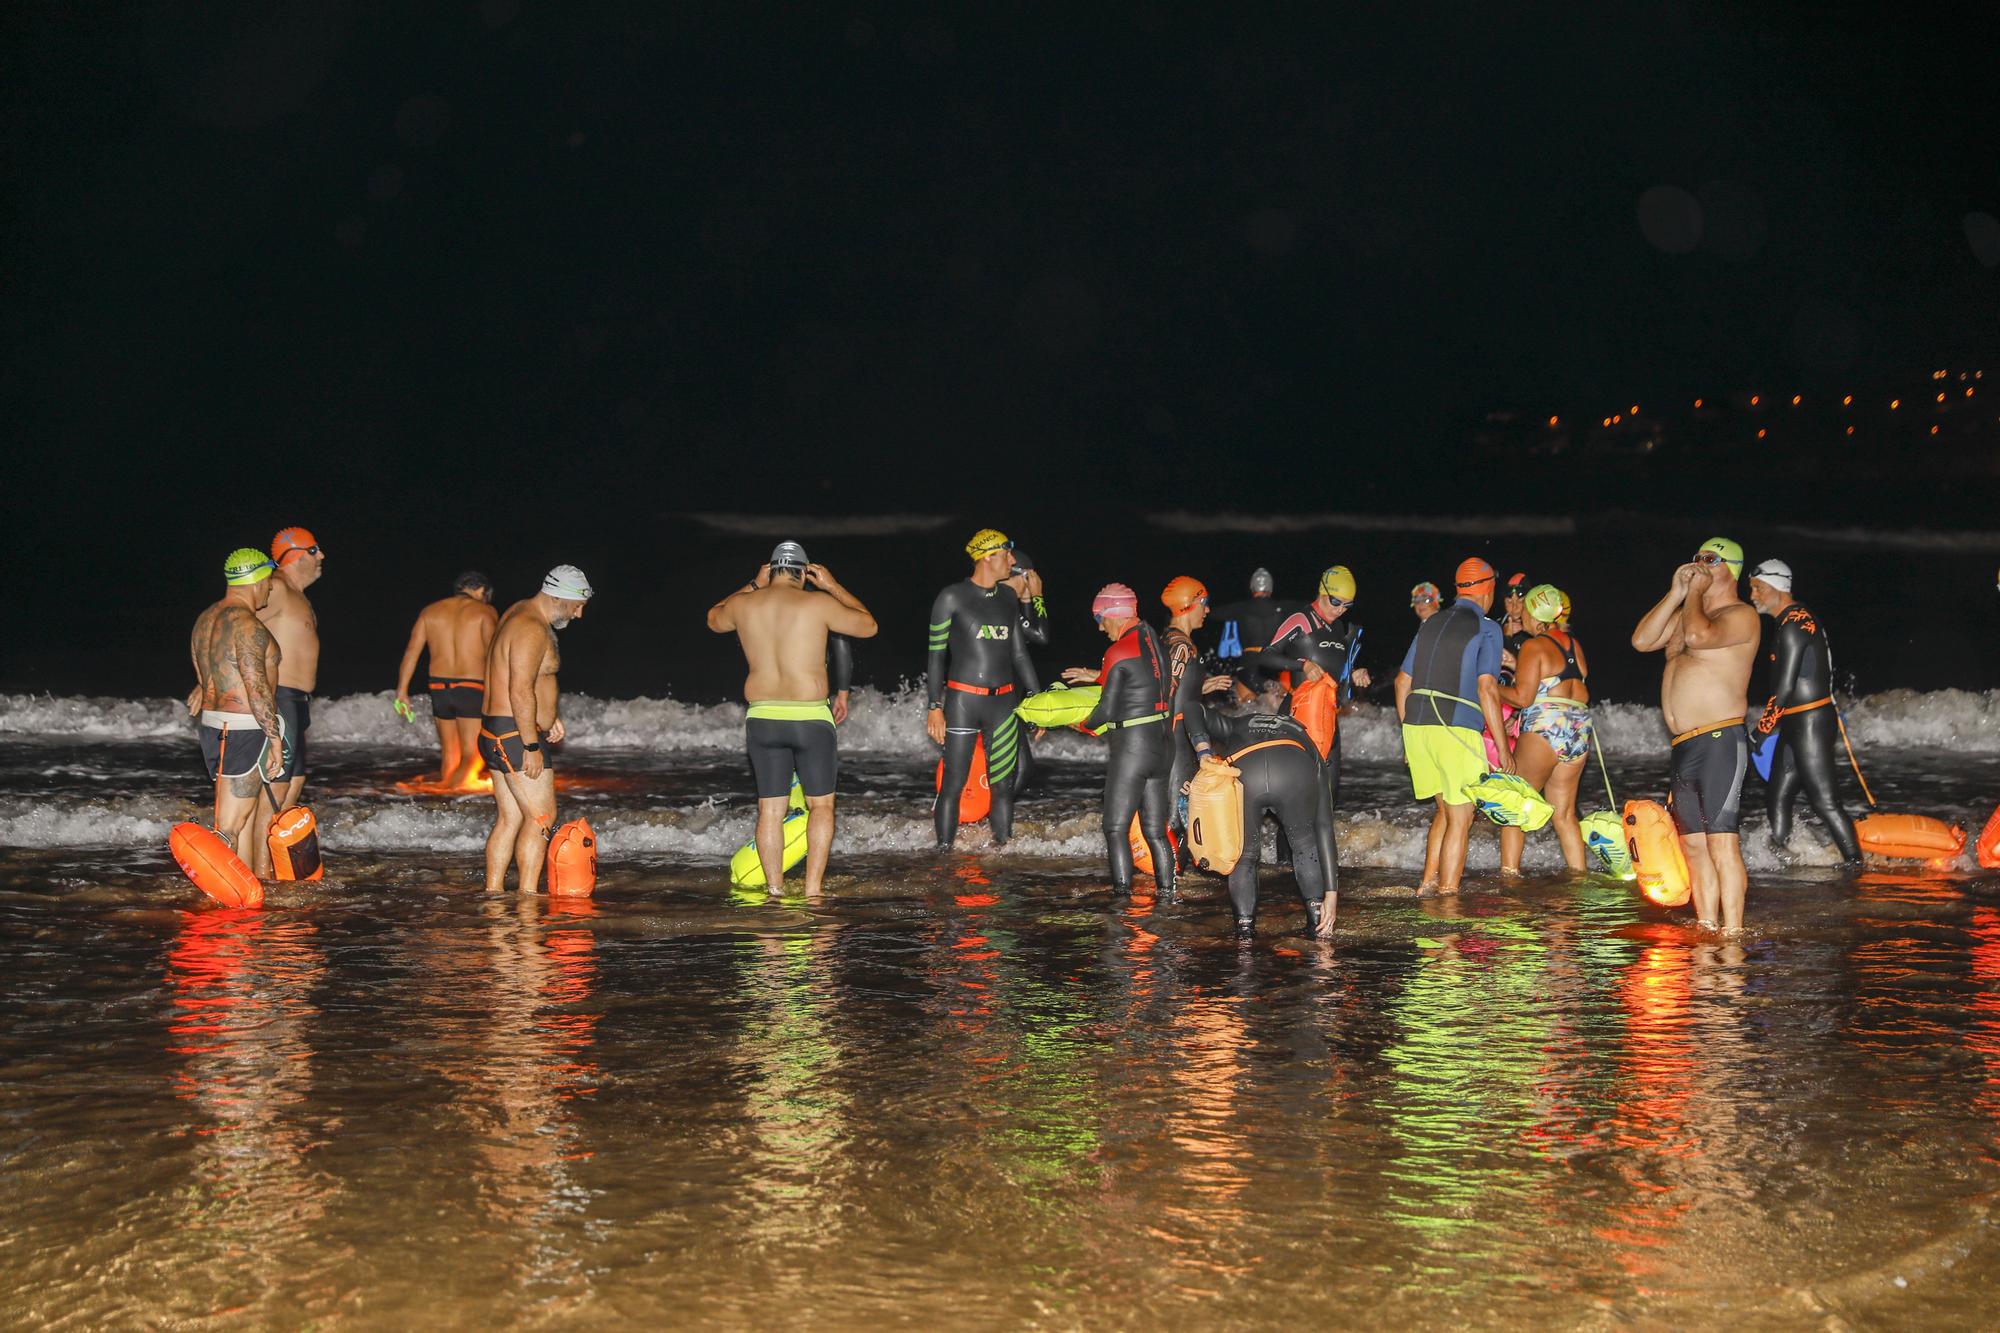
(1115, 599)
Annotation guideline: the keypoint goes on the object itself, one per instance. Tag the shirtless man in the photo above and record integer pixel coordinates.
(1709, 635)
(242, 739)
(289, 617)
(457, 630)
(788, 729)
(521, 667)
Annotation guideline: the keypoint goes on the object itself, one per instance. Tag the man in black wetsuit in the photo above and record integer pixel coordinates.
(1132, 711)
(1246, 627)
(978, 672)
(1319, 641)
(1026, 581)
(1801, 711)
(1281, 775)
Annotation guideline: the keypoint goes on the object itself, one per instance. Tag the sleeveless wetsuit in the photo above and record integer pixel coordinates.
(978, 671)
(1247, 627)
(1282, 780)
(1132, 714)
(1332, 646)
(1802, 677)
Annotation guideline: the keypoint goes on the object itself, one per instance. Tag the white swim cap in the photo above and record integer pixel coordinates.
(1774, 572)
(1260, 582)
(568, 583)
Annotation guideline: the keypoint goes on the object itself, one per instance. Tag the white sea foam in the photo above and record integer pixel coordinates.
(780, 527)
(1894, 539)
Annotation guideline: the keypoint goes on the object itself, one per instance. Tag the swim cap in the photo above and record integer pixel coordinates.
(790, 556)
(1545, 603)
(1183, 593)
(1423, 590)
(1022, 564)
(1260, 582)
(1774, 572)
(568, 583)
(1731, 553)
(986, 541)
(472, 581)
(1517, 584)
(246, 565)
(291, 542)
(1114, 599)
(1473, 574)
(1337, 582)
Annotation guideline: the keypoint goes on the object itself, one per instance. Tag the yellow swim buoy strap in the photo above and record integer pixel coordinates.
(1263, 745)
(1122, 723)
(1707, 727)
(785, 710)
(1855, 763)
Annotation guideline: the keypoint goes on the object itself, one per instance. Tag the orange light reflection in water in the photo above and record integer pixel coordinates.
(1651, 1119)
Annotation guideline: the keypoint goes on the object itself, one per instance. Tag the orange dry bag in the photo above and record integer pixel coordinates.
(1316, 707)
(977, 798)
(1909, 837)
(294, 844)
(573, 860)
(217, 871)
(1215, 818)
(1142, 855)
(1657, 858)
(1988, 849)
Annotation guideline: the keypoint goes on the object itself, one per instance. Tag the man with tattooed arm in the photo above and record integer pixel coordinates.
(242, 738)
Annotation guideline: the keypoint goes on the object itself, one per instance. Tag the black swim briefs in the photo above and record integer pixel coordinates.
(500, 746)
(232, 744)
(295, 711)
(1706, 789)
(452, 698)
(800, 739)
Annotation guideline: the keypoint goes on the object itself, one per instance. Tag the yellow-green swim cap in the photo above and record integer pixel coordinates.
(246, 565)
(1731, 553)
(1545, 603)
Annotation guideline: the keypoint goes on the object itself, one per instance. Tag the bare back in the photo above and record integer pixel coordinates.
(523, 656)
(290, 618)
(235, 658)
(1704, 685)
(457, 632)
(783, 631)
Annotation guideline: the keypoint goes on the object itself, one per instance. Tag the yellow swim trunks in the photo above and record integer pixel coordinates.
(1443, 761)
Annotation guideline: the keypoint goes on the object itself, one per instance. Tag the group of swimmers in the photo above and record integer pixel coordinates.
(1473, 696)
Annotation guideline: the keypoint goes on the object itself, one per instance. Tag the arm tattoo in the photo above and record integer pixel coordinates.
(251, 642)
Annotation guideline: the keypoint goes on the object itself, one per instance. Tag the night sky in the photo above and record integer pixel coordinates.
(454, 274)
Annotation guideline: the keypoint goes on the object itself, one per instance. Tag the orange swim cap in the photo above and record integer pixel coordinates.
(1473, 573)
(291, 542)
(1183, 593)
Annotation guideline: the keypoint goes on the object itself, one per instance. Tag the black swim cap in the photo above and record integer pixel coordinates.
(472, 581)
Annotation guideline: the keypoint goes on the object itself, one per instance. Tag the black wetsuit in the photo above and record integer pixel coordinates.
(1245, 628)
(1283, 780)
(1333, 648)
(1133, 715)
(1184, 677)
(1802, 673)
(1035, 630)
(839, 664)
(978, 672)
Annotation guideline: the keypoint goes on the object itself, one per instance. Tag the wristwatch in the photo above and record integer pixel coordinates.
(531, 747)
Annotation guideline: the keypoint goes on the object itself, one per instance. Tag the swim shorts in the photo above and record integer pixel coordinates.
(1563, 724)
(295, 712)
(784, 739)
(500, 746)
(232, 744)
(1706, 789)
(451, 698)
(1443, 761)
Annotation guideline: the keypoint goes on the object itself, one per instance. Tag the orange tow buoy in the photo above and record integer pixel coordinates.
(216, 870)
(1909, 837)
(572, 861)
(977, 799)
(1657, 858)
(1988, 847)
(294, 843)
